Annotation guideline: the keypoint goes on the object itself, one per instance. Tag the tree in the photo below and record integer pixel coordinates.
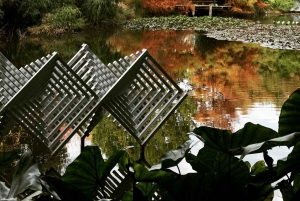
(20, 14)
(165, 6)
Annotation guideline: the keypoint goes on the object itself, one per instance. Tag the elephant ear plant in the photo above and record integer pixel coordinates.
(83, 177)
(220, 172)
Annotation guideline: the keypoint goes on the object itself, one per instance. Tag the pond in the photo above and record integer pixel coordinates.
(232, 83)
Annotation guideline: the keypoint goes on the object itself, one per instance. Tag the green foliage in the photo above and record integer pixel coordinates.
(3, 190)
(283, 63)
(289, 116)
(35, 9)
(98, 11)
(64, 19)
(108, 135)
(284, 5)
(6, 158)
(227, 142)
(219, 173)
(173, 157)
(138, 8)
(67, 17)
(61, 190)
(1, 11)
(25, 176)
(89, 171)
(287, 140)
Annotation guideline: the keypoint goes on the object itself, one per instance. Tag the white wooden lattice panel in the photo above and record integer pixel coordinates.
(117, 184)
(57, 106)
(146, 96)
(53, 100)
(11, 80)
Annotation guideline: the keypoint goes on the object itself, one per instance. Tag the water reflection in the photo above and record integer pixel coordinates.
(229, 83)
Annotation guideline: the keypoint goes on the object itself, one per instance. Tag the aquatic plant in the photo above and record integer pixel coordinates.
(182, 22)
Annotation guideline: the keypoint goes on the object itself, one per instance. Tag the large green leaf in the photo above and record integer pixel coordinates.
(88, 171)
(25, 176)
(258, 167)
(141, 192)
(7, 158)
(142, 174)
(261, 175)
(296, 196)
(287, 140)
(85, 171)
(193, 186)
(232, 166)
(112, 162)
(147, 190)
(264, 192)
(62, 190)
(291, 163)
(289, 119)
(296, 180)
(173, 157)
(211, 160)
(202, 186)
(225, 141)
(128, 196)
(3, 191)
(286, 190)
(197, 164)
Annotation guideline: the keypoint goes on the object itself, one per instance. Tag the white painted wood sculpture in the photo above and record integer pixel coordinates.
(54, 100)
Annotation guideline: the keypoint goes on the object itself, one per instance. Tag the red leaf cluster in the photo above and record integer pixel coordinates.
(260, 4)
(166, 6)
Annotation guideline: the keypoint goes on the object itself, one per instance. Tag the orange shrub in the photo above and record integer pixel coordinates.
(166, 6)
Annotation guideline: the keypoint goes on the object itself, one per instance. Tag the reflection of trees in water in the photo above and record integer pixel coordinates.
(110, 137)
(216, 69)
(19, 140)
(229, 68)
(24, 52)
(205, 44)
(285, 63)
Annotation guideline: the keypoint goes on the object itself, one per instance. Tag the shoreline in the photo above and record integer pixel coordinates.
(275, 36)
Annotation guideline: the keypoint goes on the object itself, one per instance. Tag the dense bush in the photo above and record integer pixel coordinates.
(53, 15)
(137, 6)
(64, 19)
(283, 5)
(98, 11)
(23, 13)
(35, 9)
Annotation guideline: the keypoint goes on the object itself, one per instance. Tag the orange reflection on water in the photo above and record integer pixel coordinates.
(224, 74)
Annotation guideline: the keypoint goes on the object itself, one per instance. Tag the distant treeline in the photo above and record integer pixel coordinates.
(60, 16)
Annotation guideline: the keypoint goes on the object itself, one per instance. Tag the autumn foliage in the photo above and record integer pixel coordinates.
(166, 6)
(243, 6)
(261, 4)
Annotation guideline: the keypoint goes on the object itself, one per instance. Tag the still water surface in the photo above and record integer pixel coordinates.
(233, 83)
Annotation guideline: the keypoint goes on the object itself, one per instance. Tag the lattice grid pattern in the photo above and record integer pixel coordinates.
(149, 97)
(54, 100)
